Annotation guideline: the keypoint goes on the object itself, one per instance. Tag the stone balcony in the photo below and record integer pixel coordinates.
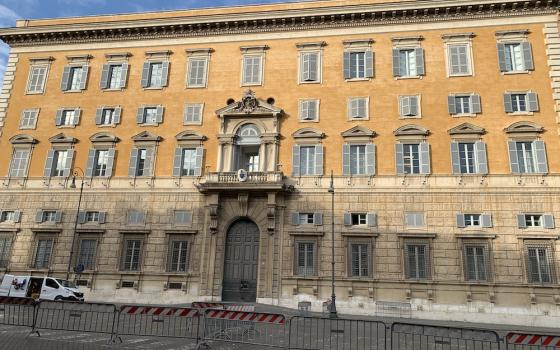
(255, 181)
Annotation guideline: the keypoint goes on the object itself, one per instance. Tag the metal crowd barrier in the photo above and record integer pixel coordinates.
(17, 311)
(525, 341)
(325, 333)
(159, 321)
(254, 328)
(78, 317)
(420, 337)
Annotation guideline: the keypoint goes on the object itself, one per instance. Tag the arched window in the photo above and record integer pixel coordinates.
(248, 134)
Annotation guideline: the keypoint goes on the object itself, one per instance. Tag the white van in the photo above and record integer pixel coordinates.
(45, 288)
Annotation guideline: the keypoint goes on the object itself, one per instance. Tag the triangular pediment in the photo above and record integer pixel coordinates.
(466, 129)
(524, 127)
(411, 129)
(146, 136)
(23, 139)
(61, 138)
(104, 137)
(308, 133)
(189, 135)
(358, 131)
(249, 105)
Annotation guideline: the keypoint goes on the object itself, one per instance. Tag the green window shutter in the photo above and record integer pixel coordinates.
(133, 162)
(346, 160)
(84, 78)
(98, 116)
(475, 103)
(396, 63)
(165, 73)
(110, 162)
(527, 56)
(370, 61)
(460, 219)
(58, 118)
(508, 104)
(49, 163)
(420, 65)
(502, 61)
(347, 71)
(451, 106)
(124, 76)
(370, 159)
(481, 157)
(295, 161)
(513, 159)
(159, 114)
(104, 83)
(399, 160)
(140, 115)
(425, 158)
(318, 160)
(532, 102)
(117, 116)
(455, 160)
(198, 164)
(178, 162)
(145, 82)
(540, 153)
(69, 162)
(90, 163)
(65, 83)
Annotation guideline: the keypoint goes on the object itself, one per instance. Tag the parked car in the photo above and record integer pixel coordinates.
(43, 288)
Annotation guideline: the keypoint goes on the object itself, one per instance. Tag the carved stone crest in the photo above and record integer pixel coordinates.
(248, 103)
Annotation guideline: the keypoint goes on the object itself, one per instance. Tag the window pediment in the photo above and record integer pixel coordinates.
(189, 135)
(249, 105)
(146, 136)
(411, 130)
(466, 129)
(61, 138)
(104, 137)
(308, 134)
(23, 140)
(524, 127)
(358, 132)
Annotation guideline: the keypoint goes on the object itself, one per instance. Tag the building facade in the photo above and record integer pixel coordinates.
(205, 140)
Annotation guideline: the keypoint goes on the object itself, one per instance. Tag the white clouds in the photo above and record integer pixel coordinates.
(7, 17)
(4, 52)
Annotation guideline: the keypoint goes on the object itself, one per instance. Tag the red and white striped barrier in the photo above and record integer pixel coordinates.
(159, 311)
(533, 339)
(205, 305)
(17, 301)
(247, 308)
(245, 316)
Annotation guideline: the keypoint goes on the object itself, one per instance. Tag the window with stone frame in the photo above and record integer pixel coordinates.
(43, 251)
(115, 73)
(539, 262)
(193, 113)
(252, 70)
(37, 79)
(409, 106)
(182, 217)
(20, 162)
(178, 253)
(29, 118)
(305, 257)
(414, 219)
(310, 67)
(417, 259)
(135, 217)
(358, 108)
(108, 116)
(10, 216)
(131, 253)
(307, 218)
(197, 72)
(6, 240)
(87, 252)
(521, 102)
(412, 151)
(309, 110)
(67, 117)
(476, 261)
(360, 257)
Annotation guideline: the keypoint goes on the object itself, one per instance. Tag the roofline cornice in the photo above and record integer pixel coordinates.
(276, 21)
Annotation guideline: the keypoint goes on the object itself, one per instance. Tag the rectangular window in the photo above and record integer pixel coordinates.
(115, 76)
(156, 74)
(407, 59)
(305, 258)
(252, 70)
(358, 108)
(359, 219)
(358, 159)
(306, 218)
(411, 158)
(37, 79)
(310, 67)
(519, 102)
(463, 105)
(92, 216)
(307, 160)
(197, 72)
(476, 262)
(540, 268)
(8, 216)
(193, 113)
(417, 263)
(189, 162)
(132, 249)
(5, 250)
(359, 259)
(49, 216)
(459, 59)
(472, 220)
(309, 110)
(182, 217)
(75, 78)
(467, 158)
(43, 251)
(135, 217)
(29, 119)
(141, 165)
(357, 65)
(533, 220)
(150, 115)
(20, 160)
(414, 219)
(101, 162)
(87, 253)
(525, 157)
(179, 255)
(69, 117)
(60, 159)
(514, 57)
(108, 116)
(409, 106)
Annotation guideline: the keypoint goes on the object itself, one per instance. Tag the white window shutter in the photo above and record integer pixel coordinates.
(486, 220)
(460, 219)
(548, 221)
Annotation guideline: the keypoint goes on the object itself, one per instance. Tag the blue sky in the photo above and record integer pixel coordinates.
(10, 10)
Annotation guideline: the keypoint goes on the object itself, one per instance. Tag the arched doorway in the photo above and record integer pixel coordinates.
(241, 262)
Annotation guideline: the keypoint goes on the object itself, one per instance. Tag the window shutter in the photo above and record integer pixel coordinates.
(521, 221)
(39, 216)
(527, 56)
(475, 103)
(548, 221)
(420, 66)
(372, 220)
(165, 73)
(482, 162)
(140, 115)
(199, 156)
(486, 220)
(17, 216)
(69, 161)
(305, 66)
(58, 118)
(347, 71)
(318, 160)
(178, 162)
(399, 161)
(124, 75)
(532, 102)
(159, 114)
(295, 161)
(414, 103)
(295, 219)
(77, 116)
(513, 160)
(370, 61)
(104, 84)
(508, 104)
(98, 116)
(455, 159)
(145, 75)
(347, 219)
(49, 163)
(370, 159)
(149, 163)
(317, 219)
(460, 219)
(110, 162)
(65, 83)
(540, 152)
(117, 116)
(133, 162)
(405, 106)
(425, 158)
(102, 217)
(82, 217)
(502, 57)
(346, 160)
(451, 104)
(396, 63)
(83, 81)
(90, 163)
(58, 216)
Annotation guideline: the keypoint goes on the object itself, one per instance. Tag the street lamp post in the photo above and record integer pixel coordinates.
(332, 311)
(75, 174)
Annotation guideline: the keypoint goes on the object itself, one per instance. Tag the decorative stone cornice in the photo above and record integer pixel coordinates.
(277, 21)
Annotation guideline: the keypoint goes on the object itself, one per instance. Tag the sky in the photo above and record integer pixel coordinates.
(10, 10)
